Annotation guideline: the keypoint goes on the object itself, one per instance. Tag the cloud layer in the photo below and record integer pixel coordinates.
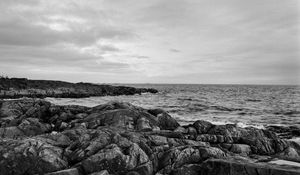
(158, 41)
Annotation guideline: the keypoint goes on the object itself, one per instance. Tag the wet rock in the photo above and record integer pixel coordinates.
(72, 171)
(30, 156)
(202, 126)
(181, 129)
(110, 158)
(113, 105)
(242, 167)
(16, 110)
(166, 122)
(124, 118)
(189, 169)
(143, 125)
(261, 141)
(192, 131)
(103, 172)
(120, 138)
(179, 156)
(11, 132)
(285, 132)
(32, 127)
(240, 149)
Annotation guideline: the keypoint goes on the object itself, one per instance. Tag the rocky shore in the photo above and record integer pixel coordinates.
(118, 138)
(22, 87)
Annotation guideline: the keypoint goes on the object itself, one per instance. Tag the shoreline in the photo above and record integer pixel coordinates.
(120, 138)
(15, 88)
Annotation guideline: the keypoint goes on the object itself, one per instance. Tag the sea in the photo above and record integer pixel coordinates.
(244, 105)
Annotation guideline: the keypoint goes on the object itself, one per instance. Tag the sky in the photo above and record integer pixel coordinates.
(152, 41)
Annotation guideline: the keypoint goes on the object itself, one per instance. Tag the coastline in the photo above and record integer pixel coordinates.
(120, 138)
(14, 88)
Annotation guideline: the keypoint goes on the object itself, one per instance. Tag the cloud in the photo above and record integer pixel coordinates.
(227, 41)
(174, 50)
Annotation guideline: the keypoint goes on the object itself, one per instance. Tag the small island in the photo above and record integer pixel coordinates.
(22, 87)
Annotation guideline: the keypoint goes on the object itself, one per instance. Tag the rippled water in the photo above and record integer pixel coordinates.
(243, 104)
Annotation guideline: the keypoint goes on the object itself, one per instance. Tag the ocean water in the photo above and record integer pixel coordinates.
(245, 105)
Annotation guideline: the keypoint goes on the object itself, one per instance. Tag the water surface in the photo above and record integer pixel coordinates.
(255, 105)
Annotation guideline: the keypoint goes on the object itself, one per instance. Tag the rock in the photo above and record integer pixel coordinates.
(261, 141)
(285, 132)
(242, 167)
(138, 157)
(177, 157)
(103, 172)
(181, 129)
(11, 132)
(72, 171)
(120, 138)
(202, 126)
(110, 158)
(192, 131)
(211, 152)
(143, 125)
(240, 149)
(189, 169)
(123, 118)
(290, 153)
(155, 112)
(30, 156)
(20, 109)
(22, 87)
(81, 115)
(32, 127)
(113, 105)
(166, 122)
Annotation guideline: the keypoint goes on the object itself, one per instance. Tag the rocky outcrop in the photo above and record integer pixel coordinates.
(119, 138)
(22, 87)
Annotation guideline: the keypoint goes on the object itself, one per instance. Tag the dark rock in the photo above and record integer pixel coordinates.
(189, 169)
(113, 105)
(242, 167)
(72, 171)
(32, 127)
(143, 124)
(202, 126)
(30, 156)
(166, 122)
(240, 149)
(285, 132)
(103, 172)
(120, 138)
(22, 87)
(11, 132)
(181, 129)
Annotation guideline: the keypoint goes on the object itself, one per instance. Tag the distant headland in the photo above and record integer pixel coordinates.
(23, 87)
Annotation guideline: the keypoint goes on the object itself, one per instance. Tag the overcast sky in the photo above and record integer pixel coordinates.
(151, 41)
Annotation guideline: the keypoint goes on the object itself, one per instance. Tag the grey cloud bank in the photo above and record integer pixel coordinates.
(158, 41)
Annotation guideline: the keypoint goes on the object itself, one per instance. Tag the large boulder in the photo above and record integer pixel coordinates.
(165, 121)
(116, 161)
(261, 141)
(123, 118)
(202, 126)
